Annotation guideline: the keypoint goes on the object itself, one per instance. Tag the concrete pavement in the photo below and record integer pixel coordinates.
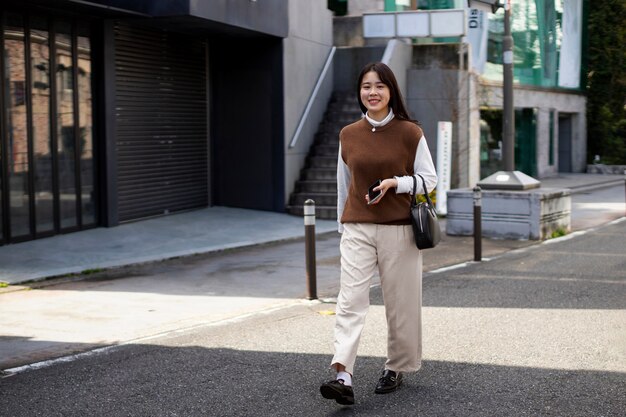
(210, 230)
(537, 331)
(75, 314)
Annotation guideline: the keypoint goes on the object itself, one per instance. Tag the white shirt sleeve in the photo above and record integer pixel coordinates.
(343, 182)
(424, 166)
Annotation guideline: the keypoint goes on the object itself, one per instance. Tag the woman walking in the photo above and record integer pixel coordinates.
(386, 145)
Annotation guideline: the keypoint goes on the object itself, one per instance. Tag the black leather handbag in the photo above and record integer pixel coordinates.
(424, 220)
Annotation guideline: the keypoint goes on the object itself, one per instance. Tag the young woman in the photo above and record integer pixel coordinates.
(386, 145)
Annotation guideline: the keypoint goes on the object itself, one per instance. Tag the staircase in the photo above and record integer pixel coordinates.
(318, 178)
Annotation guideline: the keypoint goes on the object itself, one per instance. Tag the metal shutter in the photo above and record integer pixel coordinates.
(161, 116)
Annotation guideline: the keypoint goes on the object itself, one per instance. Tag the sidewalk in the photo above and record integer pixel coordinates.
(533, 332)
(184, 234)
(118, 305)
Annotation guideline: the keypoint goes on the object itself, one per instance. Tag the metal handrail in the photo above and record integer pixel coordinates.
(307, 109)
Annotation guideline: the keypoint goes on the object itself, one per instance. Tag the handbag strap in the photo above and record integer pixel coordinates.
(428, 200)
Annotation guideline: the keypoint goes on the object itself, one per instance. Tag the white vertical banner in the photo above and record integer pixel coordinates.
(570, 56)
(477, 31)
(444, 156)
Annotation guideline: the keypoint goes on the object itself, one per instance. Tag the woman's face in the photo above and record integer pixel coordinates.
(375, 96)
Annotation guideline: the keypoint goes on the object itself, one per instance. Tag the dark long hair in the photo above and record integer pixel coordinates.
(396, 102)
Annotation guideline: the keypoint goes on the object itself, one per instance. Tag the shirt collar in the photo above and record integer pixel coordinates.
(382, 122)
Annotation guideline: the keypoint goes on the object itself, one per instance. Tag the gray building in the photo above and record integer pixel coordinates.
(119, 110)
(114, 111)
(454, 79)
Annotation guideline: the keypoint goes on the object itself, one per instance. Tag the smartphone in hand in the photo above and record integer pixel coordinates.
(374, 195)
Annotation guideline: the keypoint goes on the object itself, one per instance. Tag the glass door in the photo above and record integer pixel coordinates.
(16, 141)
(39, 38)
(47, 175)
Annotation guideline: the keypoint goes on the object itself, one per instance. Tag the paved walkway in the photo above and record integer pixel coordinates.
(537, 331)
(195, 232)
(117, 305)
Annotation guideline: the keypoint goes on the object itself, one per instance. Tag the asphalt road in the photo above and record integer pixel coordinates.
(538, 331)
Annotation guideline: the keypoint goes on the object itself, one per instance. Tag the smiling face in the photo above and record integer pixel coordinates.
(375, 96)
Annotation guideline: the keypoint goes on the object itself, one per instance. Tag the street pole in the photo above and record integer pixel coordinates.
(309, 239)
(508, 111)
(478, 233)
(508, 178)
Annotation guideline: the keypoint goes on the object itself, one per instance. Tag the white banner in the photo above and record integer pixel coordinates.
(444, 156)
(569, 59)
(477, 31)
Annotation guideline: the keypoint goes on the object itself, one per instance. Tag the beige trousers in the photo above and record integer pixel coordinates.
(391, 249)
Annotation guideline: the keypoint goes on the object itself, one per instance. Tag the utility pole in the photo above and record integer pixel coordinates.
(507, 105)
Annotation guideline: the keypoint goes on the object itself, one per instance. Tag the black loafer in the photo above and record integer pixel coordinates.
(388, 382)
(336, 390)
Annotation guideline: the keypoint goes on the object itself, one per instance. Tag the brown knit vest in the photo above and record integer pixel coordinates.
(387, 152)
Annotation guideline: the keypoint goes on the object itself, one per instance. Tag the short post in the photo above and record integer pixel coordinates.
(309, 237)
(477, 225)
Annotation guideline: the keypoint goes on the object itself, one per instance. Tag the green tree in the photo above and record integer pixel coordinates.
(606, 82)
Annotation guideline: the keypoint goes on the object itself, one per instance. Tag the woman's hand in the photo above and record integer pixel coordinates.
(383, 187)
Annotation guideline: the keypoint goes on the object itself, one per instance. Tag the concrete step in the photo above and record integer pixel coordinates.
(348, 106)
(330, 127)
(318, 180)
(316, 186)
(343, 117)
(321, 161)
(321, 212)
(320, 198)
(326, 138)
(319, 174)
(344, 97)
(325, 149)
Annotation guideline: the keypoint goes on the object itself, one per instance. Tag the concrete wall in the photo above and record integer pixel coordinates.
(398, 56)
(545, 101)
(348, 31)
(267, 16)
(349, 62)
(305, 52)
(439, 89)
(358, 7)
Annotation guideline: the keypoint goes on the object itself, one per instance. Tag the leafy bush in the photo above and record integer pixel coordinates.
(606, 82)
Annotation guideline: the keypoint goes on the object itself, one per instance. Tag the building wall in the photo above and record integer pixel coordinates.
(247, 125)
(306, 49)
(358, 7)
(348, 64)
(545, 101)
(438, 90)
(398, 56)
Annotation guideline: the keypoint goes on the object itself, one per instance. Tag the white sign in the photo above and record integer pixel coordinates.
(447, 23)
(415, 24)
(477, 30)
(569, 58)
(380, 25)
(444, 157)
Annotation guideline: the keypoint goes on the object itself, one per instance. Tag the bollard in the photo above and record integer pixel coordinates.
(477, 225)
(309, 238)
(625, 192)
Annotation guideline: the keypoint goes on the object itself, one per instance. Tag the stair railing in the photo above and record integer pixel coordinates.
(313, 97)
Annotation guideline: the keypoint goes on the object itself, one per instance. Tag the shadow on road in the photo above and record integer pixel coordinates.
(148, 380)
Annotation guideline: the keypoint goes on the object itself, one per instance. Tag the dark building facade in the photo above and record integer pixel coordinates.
(119, 110)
